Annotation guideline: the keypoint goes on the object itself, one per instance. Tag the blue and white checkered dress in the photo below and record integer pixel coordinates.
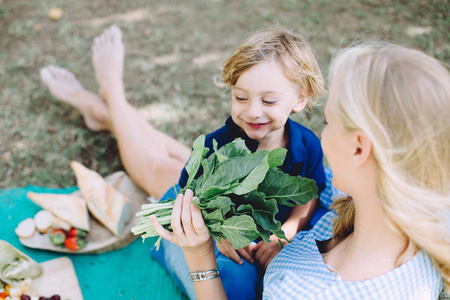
(299, 272)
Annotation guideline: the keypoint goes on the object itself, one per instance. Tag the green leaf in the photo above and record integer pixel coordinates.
(214, 215)
(253, 186)
(198, 153)
(215, 235)
(234, 149)
(221, 203)
(264, 234)
(263, 210)
(251, 182)
(287, 190)
(280, 234)
(231, 170)
(266, 217)
(240, 231)
(214, 230)
(214, 191)
(277, 157)
(208, 165)
(214, 226)
(220, 157)
(244, 209)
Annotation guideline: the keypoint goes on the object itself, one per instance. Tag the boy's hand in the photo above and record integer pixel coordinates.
(264, 252)
(226, 249)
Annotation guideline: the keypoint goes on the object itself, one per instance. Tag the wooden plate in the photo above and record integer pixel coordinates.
(58, 277)
(100, 239)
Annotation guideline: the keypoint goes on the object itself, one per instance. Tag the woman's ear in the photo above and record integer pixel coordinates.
(362, 149)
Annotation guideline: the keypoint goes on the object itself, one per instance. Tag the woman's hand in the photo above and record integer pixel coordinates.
(191, 234)
(227, 249)
(188, 228)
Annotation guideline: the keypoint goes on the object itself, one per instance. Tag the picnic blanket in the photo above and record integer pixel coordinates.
(126, 273)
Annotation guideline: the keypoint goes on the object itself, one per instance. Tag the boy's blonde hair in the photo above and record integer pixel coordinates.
(290, 50)
(400, 98)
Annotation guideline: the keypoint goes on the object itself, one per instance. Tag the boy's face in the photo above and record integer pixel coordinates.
(262, 100)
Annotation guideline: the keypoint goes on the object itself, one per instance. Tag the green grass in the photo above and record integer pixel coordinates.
(39, 135)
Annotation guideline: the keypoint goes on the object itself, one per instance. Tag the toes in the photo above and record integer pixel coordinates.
(56, 75)
(102, 40)
(50, 74)
(110, 39)
(58, 72)
(46, 75)
(105, 36)
(116, 34)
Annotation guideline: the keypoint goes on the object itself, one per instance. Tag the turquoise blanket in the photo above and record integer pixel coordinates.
(127, 273)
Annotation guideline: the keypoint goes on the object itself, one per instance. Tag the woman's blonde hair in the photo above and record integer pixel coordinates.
(290, 50)
(400, 98)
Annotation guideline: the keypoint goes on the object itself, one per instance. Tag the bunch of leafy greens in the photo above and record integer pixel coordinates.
(238, 193)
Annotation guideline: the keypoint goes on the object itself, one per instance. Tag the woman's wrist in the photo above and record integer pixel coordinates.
(201, 259)
(204, 275)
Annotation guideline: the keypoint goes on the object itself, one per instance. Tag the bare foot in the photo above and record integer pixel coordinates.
(108, 54)
(64, 86)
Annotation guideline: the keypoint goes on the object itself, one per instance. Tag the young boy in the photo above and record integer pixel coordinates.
(272, 74)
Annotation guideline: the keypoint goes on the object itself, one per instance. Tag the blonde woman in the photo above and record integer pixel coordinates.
(387, 142)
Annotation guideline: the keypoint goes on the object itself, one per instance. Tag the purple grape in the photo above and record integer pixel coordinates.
(55, 297)
(25, 297)
(43, 298)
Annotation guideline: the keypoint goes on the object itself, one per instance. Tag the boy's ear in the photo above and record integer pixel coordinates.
(301, 103)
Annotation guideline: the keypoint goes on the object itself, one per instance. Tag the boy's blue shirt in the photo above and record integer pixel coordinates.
(304, 156)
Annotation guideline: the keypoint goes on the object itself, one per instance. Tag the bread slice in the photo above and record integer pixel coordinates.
(104, 202)
(43, 220)
(69, 208)
(26, 228)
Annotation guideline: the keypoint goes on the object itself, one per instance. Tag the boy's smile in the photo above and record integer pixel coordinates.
(262, 100)
(257, 125)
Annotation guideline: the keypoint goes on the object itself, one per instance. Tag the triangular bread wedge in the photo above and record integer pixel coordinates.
(69, 208)
(104, 202)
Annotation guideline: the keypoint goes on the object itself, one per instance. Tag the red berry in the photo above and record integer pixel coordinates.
(74, 243)
(55, 297)
(43, 298)
(25, 297)
(76, 232)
